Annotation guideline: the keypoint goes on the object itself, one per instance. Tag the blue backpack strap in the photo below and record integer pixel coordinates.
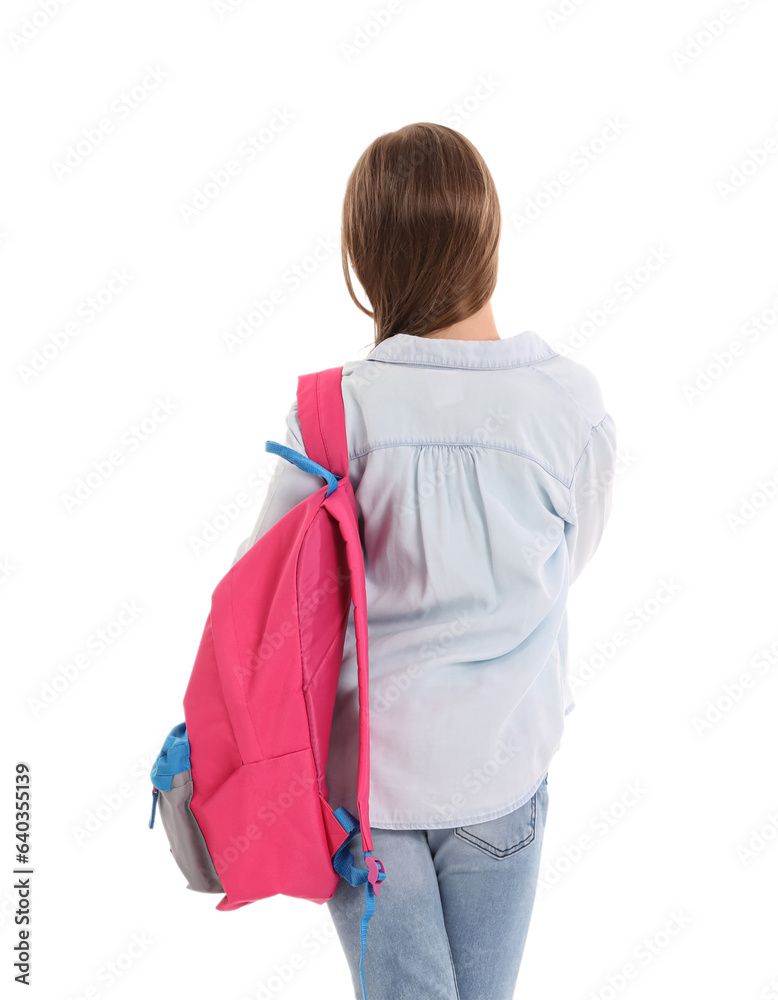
(302, 462)
(343, 863)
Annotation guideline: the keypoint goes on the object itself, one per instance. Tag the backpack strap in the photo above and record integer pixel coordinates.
(323, 424)
(323, 420)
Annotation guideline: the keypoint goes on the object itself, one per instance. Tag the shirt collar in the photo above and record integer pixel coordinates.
(509, 352)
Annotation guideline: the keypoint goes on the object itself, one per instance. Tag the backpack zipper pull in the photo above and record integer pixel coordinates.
(154, 794)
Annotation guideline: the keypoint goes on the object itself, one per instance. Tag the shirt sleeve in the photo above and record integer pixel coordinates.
(591, 494)
(287, 487)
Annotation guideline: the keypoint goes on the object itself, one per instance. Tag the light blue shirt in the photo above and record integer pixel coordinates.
(483, 474)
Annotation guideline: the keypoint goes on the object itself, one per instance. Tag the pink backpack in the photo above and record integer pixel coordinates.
(240, 785)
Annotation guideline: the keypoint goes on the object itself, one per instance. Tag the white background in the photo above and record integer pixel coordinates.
(688, 462)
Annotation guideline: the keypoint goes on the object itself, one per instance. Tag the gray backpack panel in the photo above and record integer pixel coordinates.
(187, 844)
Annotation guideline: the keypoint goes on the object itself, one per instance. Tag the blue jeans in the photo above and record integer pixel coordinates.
(452, 916)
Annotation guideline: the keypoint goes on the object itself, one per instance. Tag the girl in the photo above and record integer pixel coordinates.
(482, 467)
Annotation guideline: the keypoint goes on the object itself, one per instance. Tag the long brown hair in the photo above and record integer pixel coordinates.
(421, 227)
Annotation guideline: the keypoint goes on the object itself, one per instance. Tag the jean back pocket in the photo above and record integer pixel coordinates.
(506, 835)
